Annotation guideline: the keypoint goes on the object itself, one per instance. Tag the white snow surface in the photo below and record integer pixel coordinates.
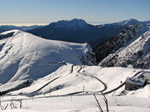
(74, 82)
(79, 82)
(135, 54)
(50, 99)
(63, 88)
(25, 56)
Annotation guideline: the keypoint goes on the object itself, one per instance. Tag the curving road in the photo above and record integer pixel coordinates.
(72, 68)
(105, 86)
(86, 74)
(118, 87)
(79, 92)
(41, 87)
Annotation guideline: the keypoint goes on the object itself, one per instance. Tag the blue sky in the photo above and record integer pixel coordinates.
(93, 11)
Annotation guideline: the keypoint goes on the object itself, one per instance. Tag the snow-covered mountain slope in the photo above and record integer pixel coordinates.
(25, 56)
(70, 88)
(128, 34)
(136, 54)
(89, 80)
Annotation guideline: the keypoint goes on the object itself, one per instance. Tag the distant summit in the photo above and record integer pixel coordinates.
(75, 30)
(78, 30)
(73, 21)
(73, 24)
(129, 22)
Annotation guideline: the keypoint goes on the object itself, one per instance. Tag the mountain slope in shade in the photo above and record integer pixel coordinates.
(25, 56)
(4, 28)
(77, 30)
(136, 54)
(113, 44)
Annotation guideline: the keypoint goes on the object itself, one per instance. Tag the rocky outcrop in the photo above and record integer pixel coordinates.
(136, 54)
(113, 44)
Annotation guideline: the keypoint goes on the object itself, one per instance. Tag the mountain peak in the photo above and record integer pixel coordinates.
(78, 21)
(129, 22)
(71, 24)
(75, 20)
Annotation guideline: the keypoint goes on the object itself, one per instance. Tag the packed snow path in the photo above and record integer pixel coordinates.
(108, 92)
(105, 86)
(77, 92)
(87, 74)
(44, 85)
(84, 80)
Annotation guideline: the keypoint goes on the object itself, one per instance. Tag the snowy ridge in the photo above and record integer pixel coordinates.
(137, 54)
(127, 35)
(75, 24)
(25, 56)
(129, 22)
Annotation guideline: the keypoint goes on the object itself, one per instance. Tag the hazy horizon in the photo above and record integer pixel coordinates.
(39, 12)
(46, 23)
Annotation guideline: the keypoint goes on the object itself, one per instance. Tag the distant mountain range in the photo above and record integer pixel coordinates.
(108, 40)
(4, 28)
(77, 30)
(26, 58)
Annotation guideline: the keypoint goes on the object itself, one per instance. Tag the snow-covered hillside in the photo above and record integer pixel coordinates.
(73, 79)
(136, 54)
(71, 88)
(25, 56)
(40, 75)
(127, 35)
